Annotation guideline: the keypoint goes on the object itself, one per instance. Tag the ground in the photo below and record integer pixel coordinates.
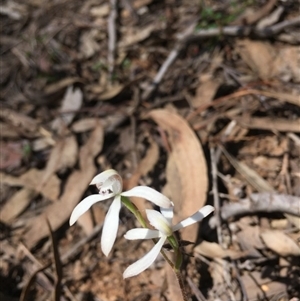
(196, 99)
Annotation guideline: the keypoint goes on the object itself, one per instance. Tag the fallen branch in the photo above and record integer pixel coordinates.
(264, 202)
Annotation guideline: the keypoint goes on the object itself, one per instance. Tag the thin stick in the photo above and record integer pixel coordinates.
(169, 61)
(112, 37)
(236, 31)
(214, 174)
(199, 296)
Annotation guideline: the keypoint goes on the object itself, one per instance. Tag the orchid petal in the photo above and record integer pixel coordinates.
(196, 217)
(110, 226)
(141, 233)
(144, 263)
(108, 179)
(86, 204)
(168, 214)
(159, 222)
(149, 194)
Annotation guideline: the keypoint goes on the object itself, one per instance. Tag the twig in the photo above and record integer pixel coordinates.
(169, 61)
(199, 296)
(78, 246)
(215, 193)
(226, 133)
(234, 31)
(262, 202)
(241, 283)
(243, 31)
(112, 36)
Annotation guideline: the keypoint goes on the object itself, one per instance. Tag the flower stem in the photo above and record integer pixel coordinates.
(134, 210)
(181, 284)
(172, 240)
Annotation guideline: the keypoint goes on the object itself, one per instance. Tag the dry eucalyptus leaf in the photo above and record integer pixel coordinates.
(17, 204)
(280, 243)
(71, 103)
(111, 91)
(261, 64)
(25, 125)
(60, 85)
(135, 35)
(88, 43)
(266, 123)
(32, 180)
(214, 250)
(60, 211)
(191, 165)
(205, 92)
(63, 155)
(84, 125)
(100, 11)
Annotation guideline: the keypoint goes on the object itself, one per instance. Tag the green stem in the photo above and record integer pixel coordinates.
(134, 210)
(181, 285)
(172, 240)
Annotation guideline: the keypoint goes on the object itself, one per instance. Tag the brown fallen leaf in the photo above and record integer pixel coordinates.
(17, 204)
(25, 125)
(63, 155)
(32, 180)
(100, 11)
(111, 91)
(284, 66)
(258, 287)
(59, 212)
(266, 123)
(11, 154)
(60, 85)
(71, 102)
(145, 165)
(261, 64)
(205, 92)
(190, 162)
(135, 35)
(88, 43)
(214, 250)
(84, 125)
(7, 131)
(280, 243)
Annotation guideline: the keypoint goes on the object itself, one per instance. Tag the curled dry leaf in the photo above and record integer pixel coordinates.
(280, 243)
(190, 163)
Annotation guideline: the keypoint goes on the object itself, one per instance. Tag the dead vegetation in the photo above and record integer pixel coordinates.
(199, 100)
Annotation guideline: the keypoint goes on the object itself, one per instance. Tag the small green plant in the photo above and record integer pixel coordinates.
(210, 18)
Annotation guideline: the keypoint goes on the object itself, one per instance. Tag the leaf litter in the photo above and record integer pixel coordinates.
(68, 114)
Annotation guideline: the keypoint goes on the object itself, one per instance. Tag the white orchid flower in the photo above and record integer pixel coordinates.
(162, 222)
(110, 185)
